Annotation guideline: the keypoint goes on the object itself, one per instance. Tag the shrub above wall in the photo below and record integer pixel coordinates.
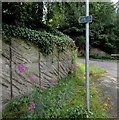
(44, 40)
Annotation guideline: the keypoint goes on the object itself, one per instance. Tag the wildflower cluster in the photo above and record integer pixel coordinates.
(74, 66)
(108, 105)
(74, 69)
(52, 82)
(31, 107)
(23, 68)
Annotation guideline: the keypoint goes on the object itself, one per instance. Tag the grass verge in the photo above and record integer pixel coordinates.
(67, 99)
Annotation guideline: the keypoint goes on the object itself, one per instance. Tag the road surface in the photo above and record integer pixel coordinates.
(109, 82)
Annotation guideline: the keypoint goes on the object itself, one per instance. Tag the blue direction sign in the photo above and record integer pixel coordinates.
(85, 19)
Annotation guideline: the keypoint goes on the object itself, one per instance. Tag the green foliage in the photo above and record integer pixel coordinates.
(64, 17)
(103, 28)
(55, 16)
(17, 106)
(6, 38)
(23, 14)
(45, 41)
(77, 35)
(56, 32)
(77, 112)
(74, 55)
(72, 31)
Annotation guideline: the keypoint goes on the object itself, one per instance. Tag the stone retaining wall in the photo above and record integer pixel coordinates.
(46, 70)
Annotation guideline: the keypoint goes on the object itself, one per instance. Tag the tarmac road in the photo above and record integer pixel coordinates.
(109, 82)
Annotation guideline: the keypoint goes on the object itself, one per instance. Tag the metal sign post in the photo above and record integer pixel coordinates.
(87, 59)
(86, 19)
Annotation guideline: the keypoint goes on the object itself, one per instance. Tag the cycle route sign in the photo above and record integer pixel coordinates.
(85, 19)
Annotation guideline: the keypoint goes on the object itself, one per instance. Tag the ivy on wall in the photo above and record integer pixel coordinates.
(44, 40)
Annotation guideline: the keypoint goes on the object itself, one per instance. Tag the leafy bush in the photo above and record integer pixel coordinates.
(71, 31)
(45, 41)
(77, 112)
(56, 32)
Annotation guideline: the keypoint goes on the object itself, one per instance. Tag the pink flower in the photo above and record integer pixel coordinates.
(32, 78)
(74, 66)
(52, 82)
(31, 106)
(21, 68)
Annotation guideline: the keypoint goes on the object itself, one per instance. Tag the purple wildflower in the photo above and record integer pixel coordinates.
(52, 82)
(74, 66)
(21, 68)
(32, 78)
(31, 106)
